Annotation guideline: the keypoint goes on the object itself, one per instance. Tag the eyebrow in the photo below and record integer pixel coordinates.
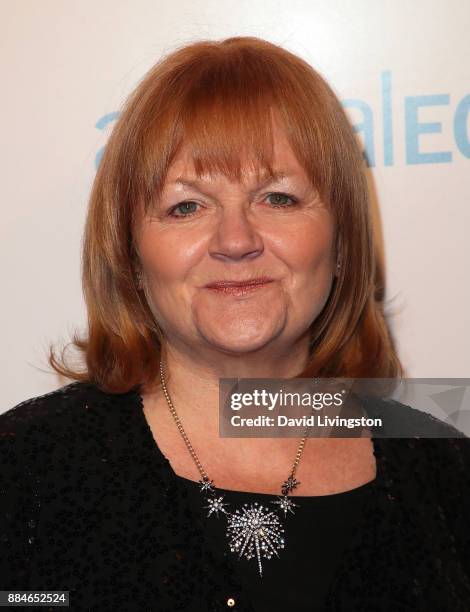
(187, 182)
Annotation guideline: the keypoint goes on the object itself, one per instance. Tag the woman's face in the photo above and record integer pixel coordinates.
(217, 230)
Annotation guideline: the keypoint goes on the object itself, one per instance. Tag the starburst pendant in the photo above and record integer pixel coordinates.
(216, 504)
(289, 484)
(206, 485)
(255, 530)
(285, 504)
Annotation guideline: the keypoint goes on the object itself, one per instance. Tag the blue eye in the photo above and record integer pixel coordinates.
(182, 206)
(282, 196)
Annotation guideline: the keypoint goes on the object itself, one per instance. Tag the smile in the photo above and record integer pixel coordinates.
(238, 289)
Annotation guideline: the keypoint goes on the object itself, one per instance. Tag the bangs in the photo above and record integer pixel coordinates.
(229, 136)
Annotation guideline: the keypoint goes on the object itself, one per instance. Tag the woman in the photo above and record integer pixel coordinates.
(228, 236)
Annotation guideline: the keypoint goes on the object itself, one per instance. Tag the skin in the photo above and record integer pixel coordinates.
(235, 232)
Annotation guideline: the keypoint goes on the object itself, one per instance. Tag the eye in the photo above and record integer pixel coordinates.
(279, 199)
(182, 206)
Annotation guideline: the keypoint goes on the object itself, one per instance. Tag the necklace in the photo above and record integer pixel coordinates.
(252, 530)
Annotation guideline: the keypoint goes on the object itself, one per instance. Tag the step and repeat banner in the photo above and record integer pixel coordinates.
(401, 70)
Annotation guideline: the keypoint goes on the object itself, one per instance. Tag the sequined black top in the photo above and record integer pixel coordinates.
(89, 504)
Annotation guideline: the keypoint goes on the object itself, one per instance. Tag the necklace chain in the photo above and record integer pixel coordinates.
(193, 452)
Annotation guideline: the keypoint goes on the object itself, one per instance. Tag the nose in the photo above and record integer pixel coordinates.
(235, 237)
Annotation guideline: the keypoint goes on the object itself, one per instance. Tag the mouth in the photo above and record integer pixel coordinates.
(239, 287)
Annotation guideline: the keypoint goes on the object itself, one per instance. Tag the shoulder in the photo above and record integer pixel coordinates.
(57, 408)
(417, 442)
(45, 407)
(32, 429)
(74, 418)
(404, 421)
(417, 445)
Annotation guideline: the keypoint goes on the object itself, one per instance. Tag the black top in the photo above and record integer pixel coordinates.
(89, 504)
(316, 535)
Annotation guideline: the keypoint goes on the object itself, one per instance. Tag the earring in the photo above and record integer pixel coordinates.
(138, 277)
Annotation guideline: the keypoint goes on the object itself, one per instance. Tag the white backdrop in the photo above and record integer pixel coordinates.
(401, 69)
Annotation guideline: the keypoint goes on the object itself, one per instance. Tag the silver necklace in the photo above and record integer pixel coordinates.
(252, 530)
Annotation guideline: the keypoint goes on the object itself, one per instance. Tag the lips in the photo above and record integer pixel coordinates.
(242, 283)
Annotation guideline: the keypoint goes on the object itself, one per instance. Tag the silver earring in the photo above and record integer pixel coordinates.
(139, 281)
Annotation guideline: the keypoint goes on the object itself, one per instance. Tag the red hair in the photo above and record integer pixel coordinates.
(215, 96)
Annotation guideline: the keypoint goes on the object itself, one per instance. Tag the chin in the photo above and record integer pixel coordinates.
(238, 346)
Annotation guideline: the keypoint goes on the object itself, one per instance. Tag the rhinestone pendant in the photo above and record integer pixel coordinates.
(289, 484)
(285, 504)
(206, 485)
(216, 504)
(255, 530)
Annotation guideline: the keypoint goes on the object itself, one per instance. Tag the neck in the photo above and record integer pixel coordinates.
(192, 379)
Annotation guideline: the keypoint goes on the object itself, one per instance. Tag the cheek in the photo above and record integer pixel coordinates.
(166, 256)
(310, 258)
(307, 250)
